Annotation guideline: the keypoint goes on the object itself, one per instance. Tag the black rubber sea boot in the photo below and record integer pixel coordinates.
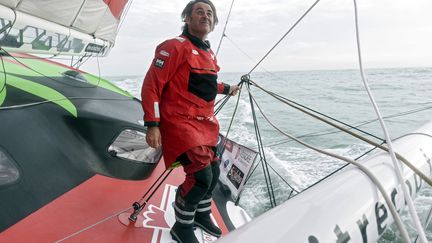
(202, 216)
(203, 219)
(183, 233)
(183, 229)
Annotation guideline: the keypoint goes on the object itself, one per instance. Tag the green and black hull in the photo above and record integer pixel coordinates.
(55, 133)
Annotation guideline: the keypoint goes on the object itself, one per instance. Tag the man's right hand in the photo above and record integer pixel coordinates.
(153, 137)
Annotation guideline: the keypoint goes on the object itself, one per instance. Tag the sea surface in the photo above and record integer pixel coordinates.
(403, 95)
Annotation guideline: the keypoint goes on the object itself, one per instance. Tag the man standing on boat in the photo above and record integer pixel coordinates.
(178, 96)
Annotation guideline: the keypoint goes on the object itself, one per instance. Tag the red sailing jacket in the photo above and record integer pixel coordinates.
(178, 95)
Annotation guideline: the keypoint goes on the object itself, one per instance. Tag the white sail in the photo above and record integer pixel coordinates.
(67, 27)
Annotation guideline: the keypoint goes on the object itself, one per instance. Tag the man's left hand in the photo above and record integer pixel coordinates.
(234, 89)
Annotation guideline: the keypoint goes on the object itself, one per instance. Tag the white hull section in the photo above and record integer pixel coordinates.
(346, 207)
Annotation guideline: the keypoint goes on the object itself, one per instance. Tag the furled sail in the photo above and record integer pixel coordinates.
(66, 27)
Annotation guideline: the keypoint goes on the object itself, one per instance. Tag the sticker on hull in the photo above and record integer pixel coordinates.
(160, 218)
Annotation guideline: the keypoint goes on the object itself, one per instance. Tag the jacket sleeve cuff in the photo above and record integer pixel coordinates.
(151, 124)
(226, 89)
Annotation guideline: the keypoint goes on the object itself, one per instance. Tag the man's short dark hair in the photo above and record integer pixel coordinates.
(187, 11)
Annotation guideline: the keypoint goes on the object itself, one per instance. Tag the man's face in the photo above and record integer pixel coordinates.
(200, 23)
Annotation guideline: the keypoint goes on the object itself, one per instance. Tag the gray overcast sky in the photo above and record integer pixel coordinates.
(394, 33)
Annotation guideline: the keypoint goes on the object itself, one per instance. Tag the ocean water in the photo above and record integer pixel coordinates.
(403, 96)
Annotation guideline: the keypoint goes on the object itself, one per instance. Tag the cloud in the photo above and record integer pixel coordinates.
(393, 33)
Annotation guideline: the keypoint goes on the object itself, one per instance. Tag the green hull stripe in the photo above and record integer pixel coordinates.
(43, 92)
(52, 70)
(105, 84)
(2, 83)
(42, 67)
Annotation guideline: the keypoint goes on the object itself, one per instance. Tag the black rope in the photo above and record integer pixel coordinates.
(279, 175)
(53, 56)
(357, 125)
(224, 100)
(10, 28)
(262, 153)
(227, 97)
(283, 37)
(342, 167)
(10, 25)
(66, 98)
(80, 61)
(288, 101)
(233, 115)
(124, 14)
(4, 72)
(139, 205)
(221, 148)
(99, 70)
(426, 222)
(254, 101)
(224, 29)
(252, 172)
(251, 97)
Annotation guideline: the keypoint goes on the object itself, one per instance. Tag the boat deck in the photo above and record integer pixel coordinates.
(89, 213)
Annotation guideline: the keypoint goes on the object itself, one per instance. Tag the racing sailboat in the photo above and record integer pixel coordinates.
(73, 156)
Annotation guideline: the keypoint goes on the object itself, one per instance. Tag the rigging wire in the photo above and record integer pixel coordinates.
(226, 136)
(305, 109)
(11, 24)
(233, 115)
(269, 53)
(356, 158)
(224, 29)
(426, 223)
(43, 75)
(360, 124)
(264, 163)
(278, 129)
(230, 124)
(222, 102)
(226, 98)
(80, 61)
(251, 59)
(342, 167)
(277, 173)
(4, 72)
(56, 100)
(396, 164)
(283, 37)
(124, 16)
(137, 206)
(93, 225)
(99, 70)
(53, 56)
(357, 125)
(364, 169)
(405, 161)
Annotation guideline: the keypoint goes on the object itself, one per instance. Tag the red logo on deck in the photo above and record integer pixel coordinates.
(154, 217)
